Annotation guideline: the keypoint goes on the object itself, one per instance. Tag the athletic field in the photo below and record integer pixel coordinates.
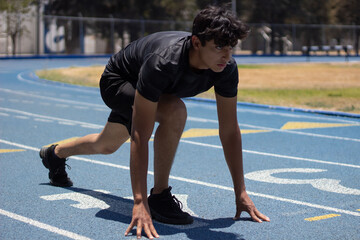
(302, 169)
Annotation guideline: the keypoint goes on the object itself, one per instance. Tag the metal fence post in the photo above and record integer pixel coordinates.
(293, 36)
(302, 35)
(112, 30)
(81, 33)
(142, 27)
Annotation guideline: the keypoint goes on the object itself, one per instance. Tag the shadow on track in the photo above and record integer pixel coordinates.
(120, 210)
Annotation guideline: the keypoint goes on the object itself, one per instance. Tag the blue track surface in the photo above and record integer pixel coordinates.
(302, 169)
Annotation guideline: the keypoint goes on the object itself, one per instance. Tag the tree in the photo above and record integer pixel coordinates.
(315, 12)
(125, 9)
(348, 13)
(15, 11)
(271, 13)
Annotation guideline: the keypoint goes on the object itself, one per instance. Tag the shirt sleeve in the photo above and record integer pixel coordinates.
(154, 77)
(226, 84)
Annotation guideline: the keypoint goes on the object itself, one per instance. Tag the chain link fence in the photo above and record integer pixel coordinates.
(90, 36)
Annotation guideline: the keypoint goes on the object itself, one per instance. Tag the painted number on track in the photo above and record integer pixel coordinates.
(324, 184)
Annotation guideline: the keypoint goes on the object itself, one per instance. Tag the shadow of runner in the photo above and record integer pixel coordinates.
(120, 210)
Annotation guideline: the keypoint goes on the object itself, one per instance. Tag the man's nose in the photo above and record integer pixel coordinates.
(227, 54)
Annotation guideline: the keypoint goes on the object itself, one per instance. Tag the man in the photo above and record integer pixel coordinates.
(144, 84)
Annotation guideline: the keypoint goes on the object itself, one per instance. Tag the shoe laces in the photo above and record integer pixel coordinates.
(177, 202)
(61, 170)
(67, 166)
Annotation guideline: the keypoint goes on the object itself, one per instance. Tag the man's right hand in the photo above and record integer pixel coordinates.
(141, 218)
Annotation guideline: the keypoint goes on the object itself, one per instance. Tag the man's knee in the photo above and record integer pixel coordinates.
(178, 112)
(111, 138)
(173, 110)
(101, 146)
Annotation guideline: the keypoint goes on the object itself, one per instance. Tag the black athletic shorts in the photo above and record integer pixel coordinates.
(118, 94)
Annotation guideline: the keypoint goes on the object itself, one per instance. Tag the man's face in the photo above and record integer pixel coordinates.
(214, 57)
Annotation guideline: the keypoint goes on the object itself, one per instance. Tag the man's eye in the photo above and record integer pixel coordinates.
(221, 48)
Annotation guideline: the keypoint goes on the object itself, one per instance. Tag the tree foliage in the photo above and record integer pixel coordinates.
(347, 12)
(15, 11)
(134, 9)
(252, 11)
(255, 11)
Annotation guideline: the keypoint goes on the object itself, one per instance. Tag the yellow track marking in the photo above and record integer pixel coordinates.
(194, 132)
(322, 217)
(245, 131)
(200, 132)
(305, 125)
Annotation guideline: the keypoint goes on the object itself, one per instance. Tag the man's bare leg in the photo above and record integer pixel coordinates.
(171, 115)
(108, 141)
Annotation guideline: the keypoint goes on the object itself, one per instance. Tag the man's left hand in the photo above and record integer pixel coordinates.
(245, 204)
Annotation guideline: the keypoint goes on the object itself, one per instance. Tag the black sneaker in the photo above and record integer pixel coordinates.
(57, 174)
(166, 208)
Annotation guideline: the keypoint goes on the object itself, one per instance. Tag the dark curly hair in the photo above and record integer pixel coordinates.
(219, 24)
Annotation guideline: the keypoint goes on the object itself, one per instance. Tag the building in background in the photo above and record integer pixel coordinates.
(48, 34)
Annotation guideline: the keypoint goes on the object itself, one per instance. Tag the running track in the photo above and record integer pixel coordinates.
(302, 169)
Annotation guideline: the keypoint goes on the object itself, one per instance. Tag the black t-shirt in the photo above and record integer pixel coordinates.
(159, 64)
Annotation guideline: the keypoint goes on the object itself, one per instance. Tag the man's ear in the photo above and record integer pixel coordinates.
(196, 43)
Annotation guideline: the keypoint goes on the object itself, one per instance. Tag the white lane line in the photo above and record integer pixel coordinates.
(62, 105)
(269, 112)
(303, 133)
(276, 155)
(62, 120)
(281, 199)
(45, 104)
(312, 205)
(44, 226)
(264, 112)
(97, 126)
(101, 109)
(67, 123)
(52, 98)
(27, 101)
(22, 117)
(102, 106)
(81, 107)
(72, 88)
(195, 119)
(42, 120)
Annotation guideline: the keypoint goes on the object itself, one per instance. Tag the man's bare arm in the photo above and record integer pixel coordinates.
(143, 124)
(230, 137)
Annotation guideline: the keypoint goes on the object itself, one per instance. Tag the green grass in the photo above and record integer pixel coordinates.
(336, 99)
(253, 66)
(301, 93)
(327, 99)
(346, 99)
(89, 77)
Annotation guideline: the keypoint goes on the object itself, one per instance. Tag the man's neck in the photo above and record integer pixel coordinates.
(195, 61)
